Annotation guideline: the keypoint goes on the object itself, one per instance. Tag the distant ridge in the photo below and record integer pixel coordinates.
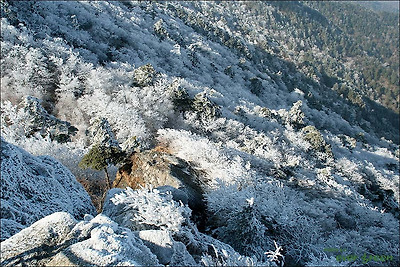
(380, 6)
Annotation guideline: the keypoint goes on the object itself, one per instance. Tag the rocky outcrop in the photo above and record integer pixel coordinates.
(159, 168)
(34, 187)
(46, 124)
(160, 242)
(41, 238)
(59, 240)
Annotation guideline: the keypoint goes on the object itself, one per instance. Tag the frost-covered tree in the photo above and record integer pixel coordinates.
(296, 115)
(205, 109)
(144, 75)
(105, 149)
(245, 231)
(30, 118)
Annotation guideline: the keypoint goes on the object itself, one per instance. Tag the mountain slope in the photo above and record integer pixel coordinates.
(268, 101)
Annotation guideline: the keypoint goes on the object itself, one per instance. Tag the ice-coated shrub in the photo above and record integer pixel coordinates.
(32, 118)
(245, 231)
(204, 107)
(100, 133)
(160, 30)
(347, 141)
(144, 75)
(234, 259)
(148, 209)
(256, 86)
(296, 115)
(229, 71)
(317, 141)
(180, 97)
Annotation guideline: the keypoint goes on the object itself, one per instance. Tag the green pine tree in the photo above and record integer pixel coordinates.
(105, 150)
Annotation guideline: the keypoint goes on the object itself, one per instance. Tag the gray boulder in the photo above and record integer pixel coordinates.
(168, 251)
(107, 245)
(34, 187)
(59, 240)
(32, 244)
(181, 256)
(160, 243)
(157, 168)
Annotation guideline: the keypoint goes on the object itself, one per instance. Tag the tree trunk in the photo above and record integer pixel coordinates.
(107, 179)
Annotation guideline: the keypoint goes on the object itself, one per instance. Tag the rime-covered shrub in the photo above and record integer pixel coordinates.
(233, 259)
(205, 109)
(265, 112)
(229, 71)
(144, 75)
(348, 141)
(33, 118)
(160, 30)
(317, 141)
(180, 97)
(147, 209)
(256, 86)
(244, 230)
(296, 115)
(100, 133)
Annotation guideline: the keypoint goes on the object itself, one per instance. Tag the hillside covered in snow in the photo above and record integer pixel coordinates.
(271, 127)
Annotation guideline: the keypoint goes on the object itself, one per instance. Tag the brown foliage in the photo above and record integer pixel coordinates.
(96, 190)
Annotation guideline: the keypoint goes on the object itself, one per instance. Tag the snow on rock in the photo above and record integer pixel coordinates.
(34, 187)
(115, 211)
(181, 256)
(59, 240)
(42, 237)
(167, 250)
(160, 243)
(108, 245)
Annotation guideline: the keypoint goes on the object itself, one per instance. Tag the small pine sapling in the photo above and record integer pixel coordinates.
(105, 149)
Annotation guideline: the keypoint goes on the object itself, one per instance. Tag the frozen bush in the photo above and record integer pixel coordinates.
(296, 115)
(204, 108)
(256, 86)
(144, 75)
(147, 209)
(33, 118)
(315, 138)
